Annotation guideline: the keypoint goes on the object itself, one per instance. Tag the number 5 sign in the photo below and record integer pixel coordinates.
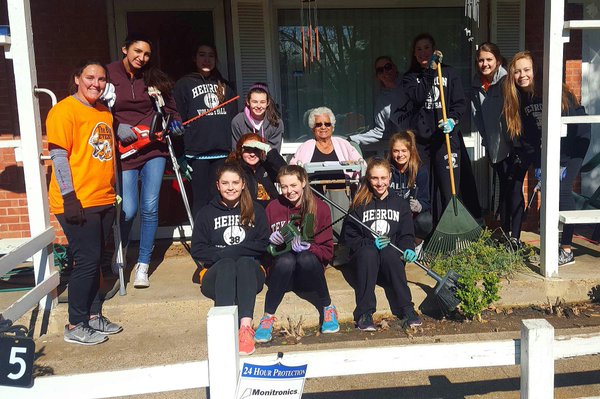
(16, 361)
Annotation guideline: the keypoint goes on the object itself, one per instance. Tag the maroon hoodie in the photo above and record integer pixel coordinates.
(278, 215)
(134, 106)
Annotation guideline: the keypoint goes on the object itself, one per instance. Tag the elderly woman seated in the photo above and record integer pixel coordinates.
(324, 147)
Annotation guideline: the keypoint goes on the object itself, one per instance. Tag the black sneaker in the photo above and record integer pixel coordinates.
(516, 244)
(365, 323)
(565, 258)
(411, 319)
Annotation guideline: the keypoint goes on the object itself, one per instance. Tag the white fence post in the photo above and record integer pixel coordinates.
(537, 359)
(223, 354)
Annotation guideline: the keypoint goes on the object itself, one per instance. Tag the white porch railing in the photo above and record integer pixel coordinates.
(19, 48)
(535, 352)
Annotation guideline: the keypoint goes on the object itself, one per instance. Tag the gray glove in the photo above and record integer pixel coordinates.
(125, 134)
(415, 205)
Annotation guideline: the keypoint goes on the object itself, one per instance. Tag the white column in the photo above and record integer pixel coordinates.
(223, 354)
(23, 56)
(551, 127)
(537, 359)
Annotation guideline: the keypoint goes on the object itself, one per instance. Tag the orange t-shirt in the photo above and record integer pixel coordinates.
(86, 133)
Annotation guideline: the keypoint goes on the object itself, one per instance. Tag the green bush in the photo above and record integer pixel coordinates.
(480, 265)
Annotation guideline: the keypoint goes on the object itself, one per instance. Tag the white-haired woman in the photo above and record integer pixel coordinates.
(324, 147)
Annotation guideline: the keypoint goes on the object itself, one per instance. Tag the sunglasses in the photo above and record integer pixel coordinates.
(327, 124)
(386, 68)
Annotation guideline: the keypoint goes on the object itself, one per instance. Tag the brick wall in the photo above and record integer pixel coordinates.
(64, 32)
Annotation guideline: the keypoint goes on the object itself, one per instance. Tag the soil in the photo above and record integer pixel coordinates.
(559, 315)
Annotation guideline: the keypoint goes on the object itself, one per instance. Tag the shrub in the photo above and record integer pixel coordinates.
(480, 265)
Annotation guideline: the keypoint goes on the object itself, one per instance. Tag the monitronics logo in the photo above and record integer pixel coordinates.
(260, 393)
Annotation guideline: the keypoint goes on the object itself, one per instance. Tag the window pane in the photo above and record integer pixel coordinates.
(351, 39)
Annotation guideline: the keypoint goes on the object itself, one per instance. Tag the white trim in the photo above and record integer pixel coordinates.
(582, 24)
(121, 7)
(25, 250)
(28, 301)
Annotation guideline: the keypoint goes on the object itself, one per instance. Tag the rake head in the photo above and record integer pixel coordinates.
(456, 230)
(445, 292)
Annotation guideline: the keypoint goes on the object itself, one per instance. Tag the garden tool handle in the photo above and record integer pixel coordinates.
(445, 118)
(361, 223)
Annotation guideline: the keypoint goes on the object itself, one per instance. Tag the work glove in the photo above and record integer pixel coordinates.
(410, 256)
(73, 209)
(276, 238)
(185, 168)
(415, 205)
(298, 245)
(175, 128)
(538, 174)
(436, 59)
(108, 95)
(258, 145)
(382, 242)
(125, 134)
(447, 126)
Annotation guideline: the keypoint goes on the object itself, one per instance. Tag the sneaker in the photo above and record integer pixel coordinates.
(565, 258)
(330, 320)
(83, 334)
(411, 319)
(365, 323)
(104, 326)
(264, 332)
(246, 338)
(141, 276)
(515, 244)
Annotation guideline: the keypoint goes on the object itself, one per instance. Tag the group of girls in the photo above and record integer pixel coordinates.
(508, 114)
(232, 232)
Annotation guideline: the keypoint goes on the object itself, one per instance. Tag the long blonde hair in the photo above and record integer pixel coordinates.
(407, 137)
(364, 195)
(309, 202)
(512, 106)
(246, 204)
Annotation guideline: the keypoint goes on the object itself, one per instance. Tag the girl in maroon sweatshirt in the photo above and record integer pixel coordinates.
(303, 267)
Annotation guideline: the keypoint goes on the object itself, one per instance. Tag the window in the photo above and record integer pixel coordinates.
(351, 39)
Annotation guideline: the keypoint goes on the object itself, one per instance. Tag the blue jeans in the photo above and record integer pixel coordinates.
(150, 175)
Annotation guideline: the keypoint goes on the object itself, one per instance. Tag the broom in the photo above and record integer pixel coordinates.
(456, 229)
(445, 289)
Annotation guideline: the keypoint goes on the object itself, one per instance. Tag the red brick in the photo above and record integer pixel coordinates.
(18, 227)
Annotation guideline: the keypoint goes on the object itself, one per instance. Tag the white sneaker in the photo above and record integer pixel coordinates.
(141, 276)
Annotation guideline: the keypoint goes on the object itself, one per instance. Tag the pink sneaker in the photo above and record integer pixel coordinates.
(246, 337)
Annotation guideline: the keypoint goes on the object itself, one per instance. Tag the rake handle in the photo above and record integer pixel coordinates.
(445, 118)
(429, 272)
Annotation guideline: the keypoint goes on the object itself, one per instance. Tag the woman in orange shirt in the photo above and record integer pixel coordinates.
(82, 196)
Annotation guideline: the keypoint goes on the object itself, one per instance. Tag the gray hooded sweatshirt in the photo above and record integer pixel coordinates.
(487, 113)
(272, 135)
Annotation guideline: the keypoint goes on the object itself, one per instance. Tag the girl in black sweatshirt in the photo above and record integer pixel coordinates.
(208, 139)
(230, 235)
(374, 260)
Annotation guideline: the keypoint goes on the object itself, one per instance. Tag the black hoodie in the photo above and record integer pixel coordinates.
(391, 217)
(422, 88)
(218, 233)
(210, 134)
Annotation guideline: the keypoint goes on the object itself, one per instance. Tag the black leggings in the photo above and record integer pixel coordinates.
(503, 170)
(515, 201)
(296, 272)
(383, 267)
(567, 202)
(435, 158)
(204, 181)
(86, 243)
(234, 282)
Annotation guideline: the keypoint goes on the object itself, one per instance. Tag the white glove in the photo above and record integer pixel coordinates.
(415, 205)
(109, 96)
(258, 145)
